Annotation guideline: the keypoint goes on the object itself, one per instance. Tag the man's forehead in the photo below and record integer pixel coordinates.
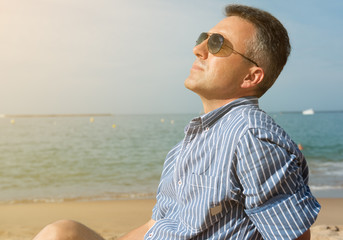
(234, 27)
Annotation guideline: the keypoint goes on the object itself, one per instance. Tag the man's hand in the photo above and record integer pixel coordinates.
(139, 232)
(305, 236)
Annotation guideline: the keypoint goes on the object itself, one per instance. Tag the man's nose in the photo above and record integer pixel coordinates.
(201, 50)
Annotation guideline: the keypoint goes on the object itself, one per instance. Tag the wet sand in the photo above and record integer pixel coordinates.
(112, 219)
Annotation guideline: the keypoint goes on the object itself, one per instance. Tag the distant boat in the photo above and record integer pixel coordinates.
(308, 112)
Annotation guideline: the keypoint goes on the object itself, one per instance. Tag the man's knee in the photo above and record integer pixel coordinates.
(64, 229)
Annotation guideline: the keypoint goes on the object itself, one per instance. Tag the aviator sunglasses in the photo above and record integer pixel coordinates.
(215, 44)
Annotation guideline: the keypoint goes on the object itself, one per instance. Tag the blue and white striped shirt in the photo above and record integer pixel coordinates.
(235, 175)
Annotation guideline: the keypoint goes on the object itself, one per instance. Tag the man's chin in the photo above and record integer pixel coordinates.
(189, 83)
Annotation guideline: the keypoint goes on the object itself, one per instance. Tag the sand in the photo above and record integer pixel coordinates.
(114, 218)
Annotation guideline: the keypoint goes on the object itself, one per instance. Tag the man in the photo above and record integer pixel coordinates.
(236, 174)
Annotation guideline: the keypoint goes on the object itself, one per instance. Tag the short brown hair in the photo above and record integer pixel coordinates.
(270, 46)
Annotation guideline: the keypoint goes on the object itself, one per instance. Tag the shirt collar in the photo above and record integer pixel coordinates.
(208, 119)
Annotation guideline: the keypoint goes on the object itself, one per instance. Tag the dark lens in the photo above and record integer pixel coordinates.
(203, 36)
(215, 43)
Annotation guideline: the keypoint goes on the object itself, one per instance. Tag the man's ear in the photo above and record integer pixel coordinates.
(252, 79)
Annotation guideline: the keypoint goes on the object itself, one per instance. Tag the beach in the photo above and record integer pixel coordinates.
(112, 219)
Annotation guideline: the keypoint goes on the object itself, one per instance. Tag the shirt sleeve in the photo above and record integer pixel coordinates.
(273, 176)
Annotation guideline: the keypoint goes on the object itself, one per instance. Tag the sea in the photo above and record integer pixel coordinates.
(89, 158)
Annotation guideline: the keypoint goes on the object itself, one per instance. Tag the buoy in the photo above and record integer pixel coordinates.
(12, 121)
(113, 126)
(91, 120)
(172, 121)
(162, 120)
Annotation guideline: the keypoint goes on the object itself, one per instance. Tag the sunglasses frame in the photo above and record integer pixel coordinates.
(222, 42)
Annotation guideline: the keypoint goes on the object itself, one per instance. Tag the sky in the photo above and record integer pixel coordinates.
(132, 56)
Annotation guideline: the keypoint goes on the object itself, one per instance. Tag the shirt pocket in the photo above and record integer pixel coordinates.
(201, 205)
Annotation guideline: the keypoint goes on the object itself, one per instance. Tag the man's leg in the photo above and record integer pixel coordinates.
(67, 230)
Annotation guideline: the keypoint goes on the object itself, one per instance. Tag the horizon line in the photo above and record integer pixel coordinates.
(111, 114)
(56, 115)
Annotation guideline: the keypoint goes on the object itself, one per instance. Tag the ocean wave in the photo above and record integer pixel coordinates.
(325, 187)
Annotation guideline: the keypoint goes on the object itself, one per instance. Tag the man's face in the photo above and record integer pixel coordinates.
(217, 77)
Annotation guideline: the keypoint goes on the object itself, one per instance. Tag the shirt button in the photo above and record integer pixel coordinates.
(179, 182)
(150, 234)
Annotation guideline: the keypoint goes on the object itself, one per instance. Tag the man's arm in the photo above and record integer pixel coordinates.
(277, 178)
(139, 232)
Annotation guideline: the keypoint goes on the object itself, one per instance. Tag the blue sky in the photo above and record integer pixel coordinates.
(132, 56)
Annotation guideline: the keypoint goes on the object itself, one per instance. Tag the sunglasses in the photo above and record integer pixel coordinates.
(216, 43)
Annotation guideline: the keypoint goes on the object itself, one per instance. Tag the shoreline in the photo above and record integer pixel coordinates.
(327, 192)
(113, 218)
